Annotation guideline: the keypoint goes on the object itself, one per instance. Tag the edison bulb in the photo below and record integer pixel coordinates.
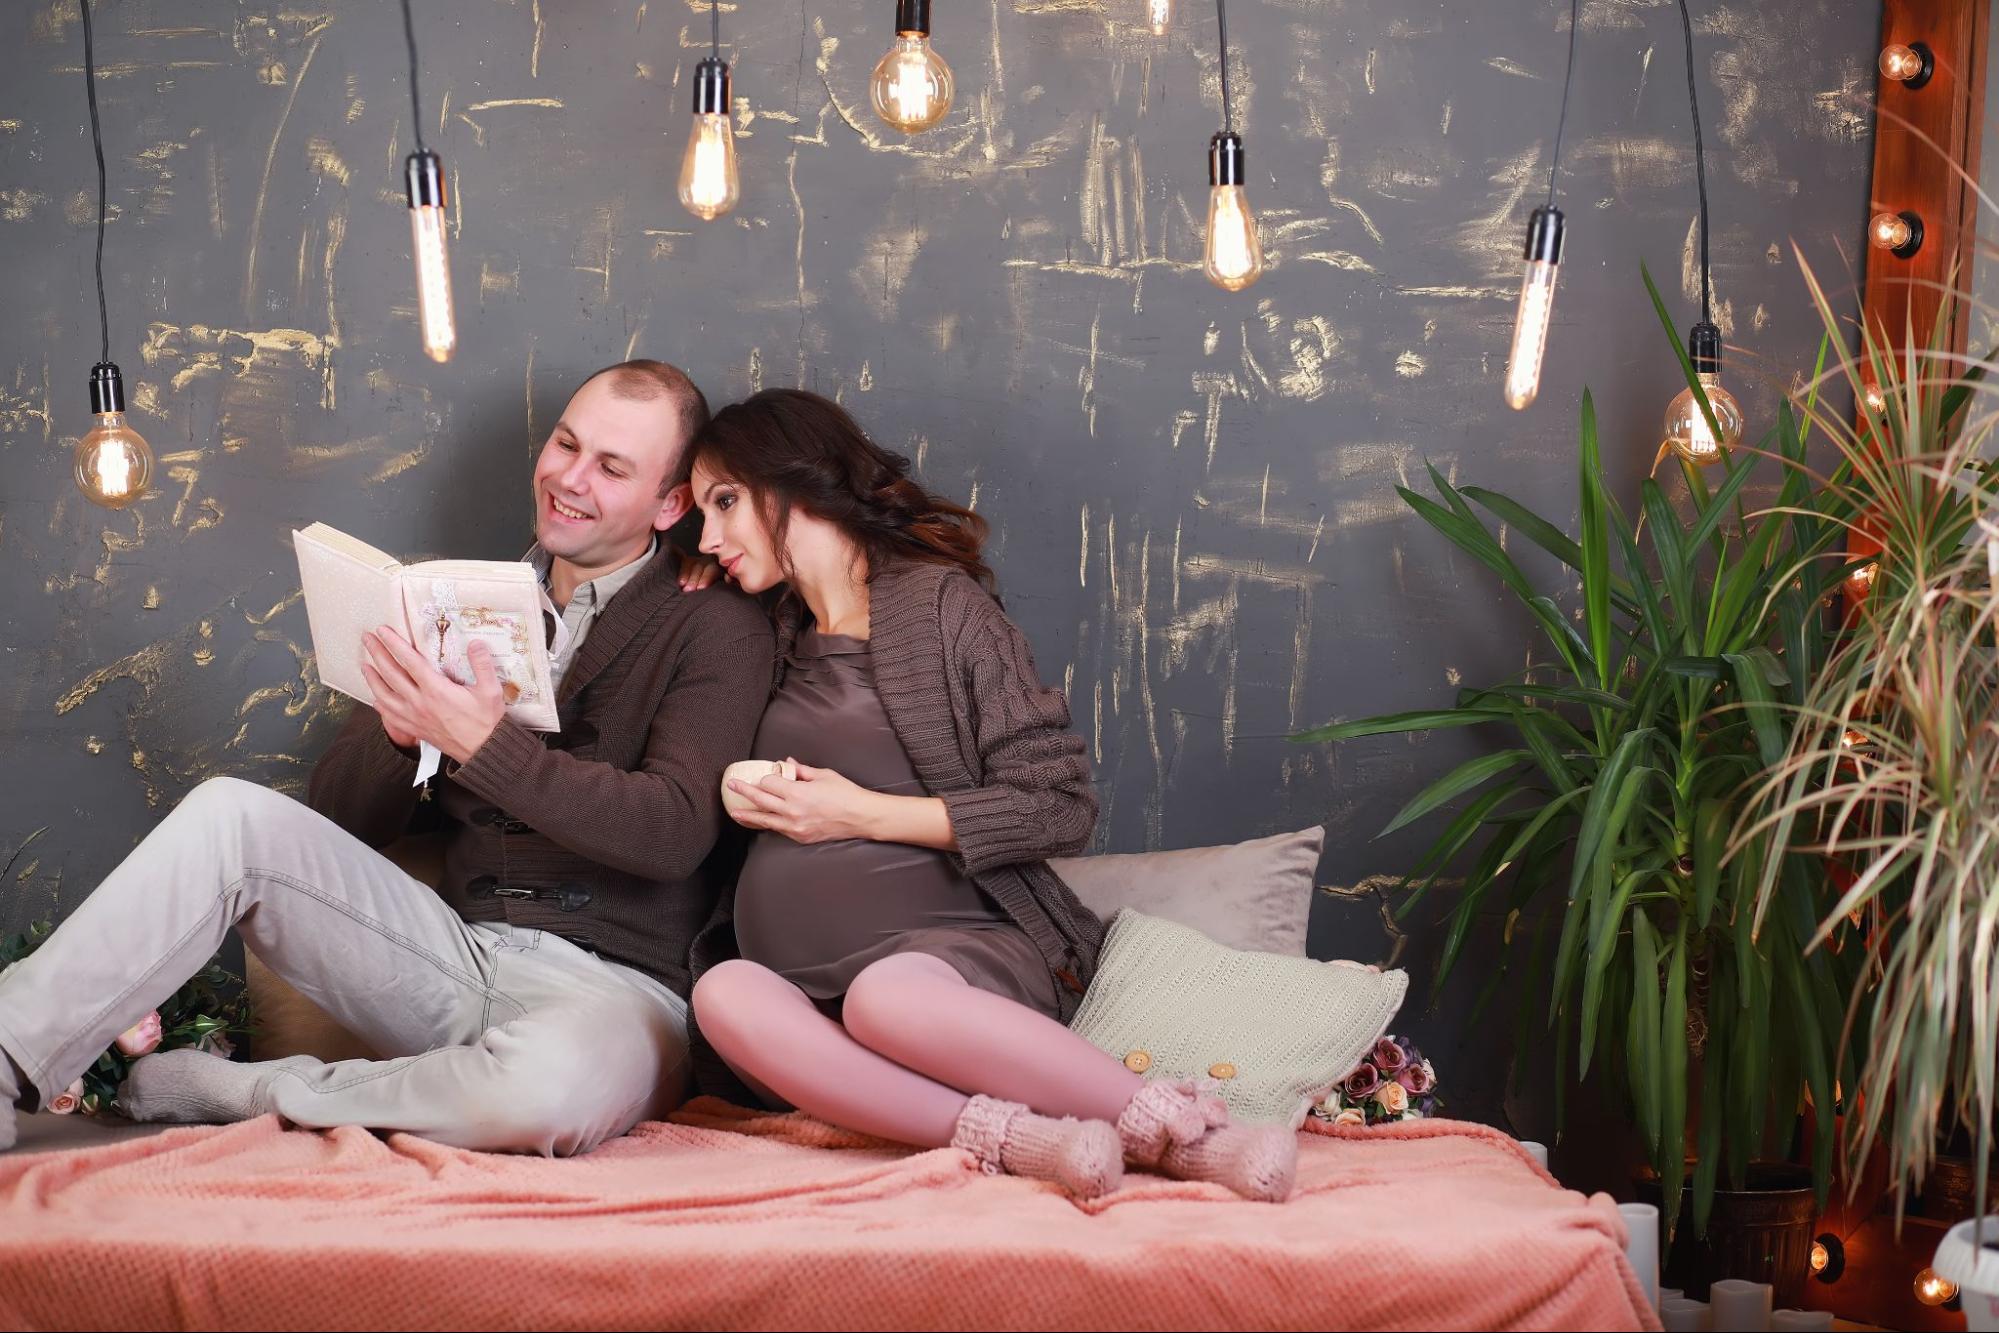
(431, 245)
(911, 88)
(1687, 431)
(1932, 1288)
(708, 184)
(1537, 305)
(1820, 1255)
(1904, 64)
(1234, 257)
(1160, 13)
(1891, 231)
(1870, 394)
(113, 462)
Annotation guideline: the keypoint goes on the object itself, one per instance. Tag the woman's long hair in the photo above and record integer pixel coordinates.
(793, 450)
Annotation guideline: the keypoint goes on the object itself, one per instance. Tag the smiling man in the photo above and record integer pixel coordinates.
(537, 1001)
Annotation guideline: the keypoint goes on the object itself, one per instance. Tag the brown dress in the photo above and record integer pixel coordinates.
(817, 913)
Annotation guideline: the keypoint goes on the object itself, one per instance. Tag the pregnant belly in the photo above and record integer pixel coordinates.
(806, 905)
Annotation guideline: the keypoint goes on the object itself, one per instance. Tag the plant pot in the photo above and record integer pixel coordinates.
(1762, 1234)
(1950, 1189)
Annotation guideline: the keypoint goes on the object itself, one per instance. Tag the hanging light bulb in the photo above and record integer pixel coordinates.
(425, 172)
(911, 87)
(708, 184)
(1910, 66)
(1537, 304)
(1870, 394)
(1234, 259)
(1160, 13)
(1687, 430)
(114, 465)
(113, 462)
(1899, 233)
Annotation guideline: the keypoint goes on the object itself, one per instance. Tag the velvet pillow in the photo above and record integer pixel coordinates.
(1249, 895)
(1275, 1032)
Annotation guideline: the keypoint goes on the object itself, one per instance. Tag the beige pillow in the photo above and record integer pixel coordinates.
(1250, 895)
(1276, 1032)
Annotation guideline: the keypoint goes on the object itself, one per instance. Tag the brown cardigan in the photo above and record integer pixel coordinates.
(961, 691)
(623, 803)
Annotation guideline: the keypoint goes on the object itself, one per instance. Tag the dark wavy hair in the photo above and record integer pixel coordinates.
(793, 450)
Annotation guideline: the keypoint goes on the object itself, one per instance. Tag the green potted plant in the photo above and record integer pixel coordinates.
(1892, 767)
(1601, 824)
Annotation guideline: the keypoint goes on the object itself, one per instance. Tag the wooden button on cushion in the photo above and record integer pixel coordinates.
(1138, 1061)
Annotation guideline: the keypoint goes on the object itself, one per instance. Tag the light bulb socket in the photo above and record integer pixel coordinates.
(107, 389)
(1226, 165)
(912, 17)
(1544, 235)
(1928, 67)
(1704, 348)
(1907, 249)
(711, 87)
(423, 171)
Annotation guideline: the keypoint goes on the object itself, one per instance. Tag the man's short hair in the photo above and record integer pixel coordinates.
(645, 381)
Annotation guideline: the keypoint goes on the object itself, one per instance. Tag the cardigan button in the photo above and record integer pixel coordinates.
(1138, 1061)
(1224, 1070)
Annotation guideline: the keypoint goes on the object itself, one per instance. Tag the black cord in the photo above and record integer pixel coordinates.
(1562, 120)
(97, 142)
(1222, 24)
(1700, 159)
(416, 103)
(715, 26)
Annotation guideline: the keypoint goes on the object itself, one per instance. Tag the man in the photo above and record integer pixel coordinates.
(537, 1001)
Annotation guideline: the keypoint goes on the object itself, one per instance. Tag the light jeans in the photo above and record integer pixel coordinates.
(501, 1038)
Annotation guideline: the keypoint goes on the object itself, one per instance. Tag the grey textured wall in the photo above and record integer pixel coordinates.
(1192, 490)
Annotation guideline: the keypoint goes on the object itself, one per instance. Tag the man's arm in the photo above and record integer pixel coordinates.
(662, 820)
(363, 781)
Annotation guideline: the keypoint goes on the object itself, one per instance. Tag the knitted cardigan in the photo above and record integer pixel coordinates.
(960, 688)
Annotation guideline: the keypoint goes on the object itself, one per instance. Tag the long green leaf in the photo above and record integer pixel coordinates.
(1595, 546)
(1453, 784)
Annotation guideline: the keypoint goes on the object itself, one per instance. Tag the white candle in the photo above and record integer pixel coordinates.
(1641, 1223)
(1677, 1314)
(1739, 1306)
(1537, 1151)
(1801, 1321)
(1670, 1294)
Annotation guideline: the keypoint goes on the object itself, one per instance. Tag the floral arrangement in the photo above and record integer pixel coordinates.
(1394, 1082)
(198, 1014)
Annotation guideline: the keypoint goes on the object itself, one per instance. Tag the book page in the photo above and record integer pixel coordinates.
(452, 604)
(350, 588)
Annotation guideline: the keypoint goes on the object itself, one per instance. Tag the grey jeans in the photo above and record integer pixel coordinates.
(500, 1038)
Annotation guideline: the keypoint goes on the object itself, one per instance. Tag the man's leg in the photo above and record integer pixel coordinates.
(598, 1049)
(376, 948)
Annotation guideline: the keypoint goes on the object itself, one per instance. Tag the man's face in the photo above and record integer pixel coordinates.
(596, 484)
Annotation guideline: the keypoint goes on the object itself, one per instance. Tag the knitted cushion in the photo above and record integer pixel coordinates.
(1248, 895)
(1276, 1032)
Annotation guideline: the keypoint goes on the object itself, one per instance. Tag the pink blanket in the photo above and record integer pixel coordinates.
(728, 1218)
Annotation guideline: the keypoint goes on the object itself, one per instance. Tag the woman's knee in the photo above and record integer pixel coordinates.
(726, 994)
(889, 993)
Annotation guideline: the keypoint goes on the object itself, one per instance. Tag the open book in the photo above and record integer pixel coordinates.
(442, 606)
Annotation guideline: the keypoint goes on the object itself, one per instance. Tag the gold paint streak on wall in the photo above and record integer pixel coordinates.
(264, 185)
(266, 617)
(152, 602)
(94, 744)
(401, 463)
(325, 159)
(534, 52)
(204, 651)
(145, 666)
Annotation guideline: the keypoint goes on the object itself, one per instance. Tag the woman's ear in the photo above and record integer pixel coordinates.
(673, 506)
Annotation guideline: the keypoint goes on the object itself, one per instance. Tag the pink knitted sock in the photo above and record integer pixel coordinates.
(1183, 1130)
(1082, 1156)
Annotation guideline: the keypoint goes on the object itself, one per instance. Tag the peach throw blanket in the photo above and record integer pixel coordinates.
(731, 1218)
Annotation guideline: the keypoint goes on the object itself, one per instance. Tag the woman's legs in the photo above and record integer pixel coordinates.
(772, 1035)
(919, 1012)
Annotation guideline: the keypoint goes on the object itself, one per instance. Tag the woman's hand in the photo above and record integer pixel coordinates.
(819, 806)
(696, 571)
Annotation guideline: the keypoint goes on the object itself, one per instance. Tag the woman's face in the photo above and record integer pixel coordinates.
(733, 531)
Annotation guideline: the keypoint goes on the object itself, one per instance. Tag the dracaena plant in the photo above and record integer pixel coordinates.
(1595, 834)
(1892, 770)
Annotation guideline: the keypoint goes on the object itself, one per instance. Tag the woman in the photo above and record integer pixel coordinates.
(907, 957)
